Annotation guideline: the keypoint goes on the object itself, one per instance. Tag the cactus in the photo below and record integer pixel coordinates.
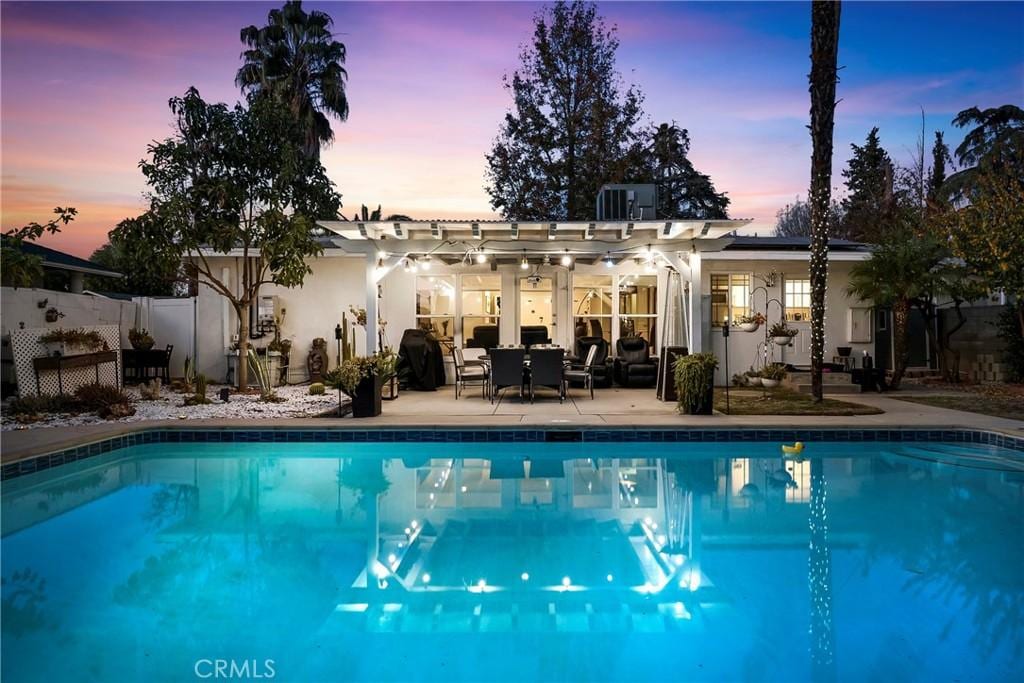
(199, 397)
(259, 365)
(347, 347)
(317, 389)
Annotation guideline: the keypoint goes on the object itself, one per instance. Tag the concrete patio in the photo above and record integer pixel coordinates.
(616, 407)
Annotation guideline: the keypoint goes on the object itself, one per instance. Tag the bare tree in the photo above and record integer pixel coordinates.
(823, 78)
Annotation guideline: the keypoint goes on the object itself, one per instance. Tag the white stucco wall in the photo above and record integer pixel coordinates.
(743, 347)
(338, 281)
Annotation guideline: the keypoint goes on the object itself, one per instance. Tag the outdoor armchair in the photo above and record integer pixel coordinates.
(634, 366)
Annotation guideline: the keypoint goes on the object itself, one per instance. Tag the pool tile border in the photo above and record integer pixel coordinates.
(603, 435)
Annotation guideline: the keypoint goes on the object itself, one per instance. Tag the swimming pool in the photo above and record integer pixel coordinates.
(516, 562)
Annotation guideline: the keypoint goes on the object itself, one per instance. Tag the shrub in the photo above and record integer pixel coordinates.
(99, 396)
(40, 405)
(317, 389)
(695, 381)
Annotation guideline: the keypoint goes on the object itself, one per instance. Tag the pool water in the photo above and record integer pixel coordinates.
(517, 562)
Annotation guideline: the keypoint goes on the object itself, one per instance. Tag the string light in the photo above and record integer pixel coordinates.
(426, 262)
(481, 256)
(524, 264)
(566, 259)
(608, 262)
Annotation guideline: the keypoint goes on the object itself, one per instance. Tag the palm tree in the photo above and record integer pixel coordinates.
(296, 59)
(823, 78)
(819, 579)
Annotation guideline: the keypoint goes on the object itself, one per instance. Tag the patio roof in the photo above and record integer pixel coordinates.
(512, 231)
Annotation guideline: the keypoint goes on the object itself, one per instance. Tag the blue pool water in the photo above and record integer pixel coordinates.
(517, 562)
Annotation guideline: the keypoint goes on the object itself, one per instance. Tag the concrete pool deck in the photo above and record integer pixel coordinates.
(616, 407)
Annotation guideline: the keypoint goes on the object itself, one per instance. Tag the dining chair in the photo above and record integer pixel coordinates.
(547, 369)
(584, 374)
(466, 372)
(506, 370)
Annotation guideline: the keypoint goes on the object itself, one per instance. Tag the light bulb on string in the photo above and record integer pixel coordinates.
(608, 262)
(426, 262)
(524, 264)
(566, 259)
(481, 256)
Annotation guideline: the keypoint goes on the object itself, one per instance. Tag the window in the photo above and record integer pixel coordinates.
(481, 310)
(638, 307)
(798, 299)
(435, 305)
(592, 306)
(730, 296)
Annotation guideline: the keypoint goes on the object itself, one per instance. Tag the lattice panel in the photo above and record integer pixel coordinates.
(25, 346)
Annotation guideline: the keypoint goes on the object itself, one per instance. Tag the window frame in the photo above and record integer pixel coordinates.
(786, 280)
(729, 306)
(453, 316)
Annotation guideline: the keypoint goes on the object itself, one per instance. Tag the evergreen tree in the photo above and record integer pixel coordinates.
(868, 204)
(937, 174)
(572, 126)
(683, 191)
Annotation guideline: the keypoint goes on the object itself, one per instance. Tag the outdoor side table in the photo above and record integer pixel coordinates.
(81, 360)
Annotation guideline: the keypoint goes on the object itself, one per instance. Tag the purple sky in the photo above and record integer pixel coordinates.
(85, 88)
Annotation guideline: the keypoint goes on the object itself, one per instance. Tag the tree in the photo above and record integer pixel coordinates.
(900, 274)
(683, 192)
(572, 126)
(25, 270)
(295, 60)
(235, 181)
(995, 143)
(988, 233)
(823, 79)
(937, 175)
(869, 201)
(146, 273)
(794, 220)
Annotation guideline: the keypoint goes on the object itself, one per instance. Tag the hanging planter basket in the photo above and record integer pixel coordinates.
(750, 327)
(784, 340)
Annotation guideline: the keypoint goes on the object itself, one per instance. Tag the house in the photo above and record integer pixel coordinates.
(480, 282)
(65, 269)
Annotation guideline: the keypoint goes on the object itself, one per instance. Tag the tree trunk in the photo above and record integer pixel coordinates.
(823, 77)
(901, 354)
(951, 357)
(819, 580)
(243, 347)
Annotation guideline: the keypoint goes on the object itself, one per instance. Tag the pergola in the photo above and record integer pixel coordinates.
(675, 244)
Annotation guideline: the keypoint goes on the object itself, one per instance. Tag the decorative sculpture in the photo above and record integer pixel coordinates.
(316, 361)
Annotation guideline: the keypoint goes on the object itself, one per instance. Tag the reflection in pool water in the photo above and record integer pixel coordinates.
(482, 562)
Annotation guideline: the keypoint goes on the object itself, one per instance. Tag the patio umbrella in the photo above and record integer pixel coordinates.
(674, 333)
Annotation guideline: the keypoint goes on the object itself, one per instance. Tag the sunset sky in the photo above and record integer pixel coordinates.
(85, 89)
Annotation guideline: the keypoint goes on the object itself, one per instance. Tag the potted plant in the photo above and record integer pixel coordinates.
(772, 375)
(140, 339)
(781, 333)
(61, 342)
(753, 377)
(361, 378)
(695, 383)
(749, 323)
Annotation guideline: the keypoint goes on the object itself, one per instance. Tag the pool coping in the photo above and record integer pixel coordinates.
(141, 434)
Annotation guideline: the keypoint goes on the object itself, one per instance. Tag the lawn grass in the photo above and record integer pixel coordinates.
(785, 402)
(995, 400)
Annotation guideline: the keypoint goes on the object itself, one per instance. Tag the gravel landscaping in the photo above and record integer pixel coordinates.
(297, 403)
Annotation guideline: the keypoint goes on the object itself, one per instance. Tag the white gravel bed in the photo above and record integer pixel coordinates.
(297, 403)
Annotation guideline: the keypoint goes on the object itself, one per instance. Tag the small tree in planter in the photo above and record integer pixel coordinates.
(781, 333)
(361, 378)
(695, 383)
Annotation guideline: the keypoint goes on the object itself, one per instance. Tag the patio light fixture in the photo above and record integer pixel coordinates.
(566, 259)
(426, 262)
(481, 256)
(608, 262)
(524, 264)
